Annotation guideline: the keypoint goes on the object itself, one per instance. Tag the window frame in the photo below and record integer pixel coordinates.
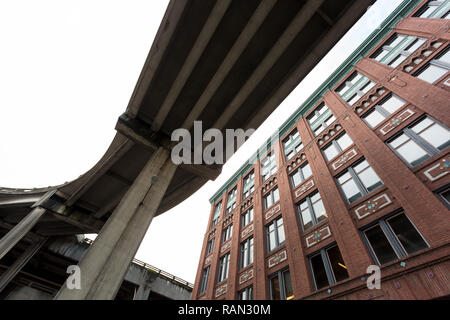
(247, 191)
(336, 145)
(311, 210)
(231, 200)
(358, 182)
(249, 291)
(227, 233)
(389, 233)
(435, 62)
(210, 246)
(323, 253)
(271, 194)
(204, 278)
(318, 125)
(440, 5)
(216, 217)
(295, 148)
(278, 244)
(224, 268)
(249, 253)
(299, 170)
(281, 280)
(384, 112)
(271, 168)
(250, 213)
(355, 88)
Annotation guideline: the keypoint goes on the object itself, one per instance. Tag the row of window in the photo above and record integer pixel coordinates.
(388, 239)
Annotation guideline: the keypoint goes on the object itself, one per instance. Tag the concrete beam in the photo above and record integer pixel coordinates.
(296, 25)
(107, 260)
(199, 46)
(233, 55)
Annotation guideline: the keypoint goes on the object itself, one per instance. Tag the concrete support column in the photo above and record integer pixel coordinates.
(142, 293)
(17, 266)
(20, 230)
(104, 265)
(423, 207)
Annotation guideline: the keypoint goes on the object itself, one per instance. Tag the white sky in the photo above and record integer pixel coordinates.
(67, 71)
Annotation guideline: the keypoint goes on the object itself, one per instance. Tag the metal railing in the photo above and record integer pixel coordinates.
(154, 269)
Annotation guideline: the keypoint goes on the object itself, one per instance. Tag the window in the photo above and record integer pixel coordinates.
(270, 198)
(434, 9)
(420, 141)
(300, 175)
(226, 233)
(383, 110)
(320, 118)
(249, 185)
(210, 246)
(292, 144)
(231, 201)
(216, 214)
(224, 264)
(445, 196)
(204, 279)
(396, 49)
(268, 166)
(392, 238)
(246, 258)
(354, 87)
(246, 294)
(275, 234)
(311, 211)
(280, 285)
(328, 267)
(358, 181)
(435, 69)
(246, 218)
(336, 146)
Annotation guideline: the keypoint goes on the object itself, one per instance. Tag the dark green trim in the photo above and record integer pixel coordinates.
(403, 10)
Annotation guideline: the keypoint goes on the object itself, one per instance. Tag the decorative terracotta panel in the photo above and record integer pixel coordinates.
(438, 170)
(305, 187)
(318, 236)
(225, 246)
(277, 258)
(395, 121)
(247, 230)
(247, 275)
(350, 154)
(221, 290)
(274, 210)
(373, 205)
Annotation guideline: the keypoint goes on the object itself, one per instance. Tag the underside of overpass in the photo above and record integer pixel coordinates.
(226, 63)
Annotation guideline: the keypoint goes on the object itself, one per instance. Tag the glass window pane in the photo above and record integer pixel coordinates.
(445, 57)
(353, 99)
(280, 227)
(276, 195)
(409, 150)
(337, 264)
(296, 178)
(275, 288)
(330, 152)
(306, 170)
(408, 236)
(305, 215)
(318, 268)
(393, 104)
(349, 187)
(397, 61)
(344, 141)
(288, 292)
(272, 240)
(437, 136)
(319, 210)
(374, 118)
(369, 179)
(380, 245)
(432, 73)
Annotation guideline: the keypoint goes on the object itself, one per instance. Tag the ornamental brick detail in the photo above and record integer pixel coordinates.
(304, 188)
(225, 246)
(208, 259)
(221, 290)
(247, 230)
(277, 258)
(245, 276)
(396, 121)
(350, 154)
(317, 236)
(272, 211)
(373, 205)
(438, 170)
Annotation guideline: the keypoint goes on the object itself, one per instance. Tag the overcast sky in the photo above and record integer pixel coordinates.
(67, 71)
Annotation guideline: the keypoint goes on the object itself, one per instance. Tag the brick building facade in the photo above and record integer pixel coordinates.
(359, 177)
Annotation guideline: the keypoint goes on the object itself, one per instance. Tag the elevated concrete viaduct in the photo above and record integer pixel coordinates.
(226, 63)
